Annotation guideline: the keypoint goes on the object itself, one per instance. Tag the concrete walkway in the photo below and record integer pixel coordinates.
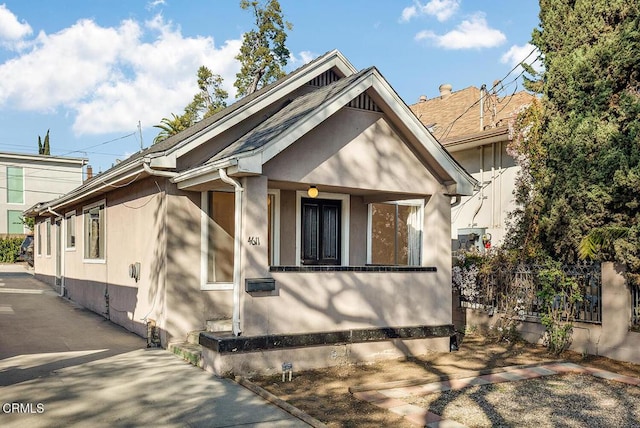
(390, 398)
(61, 366)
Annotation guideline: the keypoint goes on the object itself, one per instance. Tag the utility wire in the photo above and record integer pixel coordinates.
(486, 94)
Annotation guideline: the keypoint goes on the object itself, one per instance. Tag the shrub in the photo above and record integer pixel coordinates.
(10, 248)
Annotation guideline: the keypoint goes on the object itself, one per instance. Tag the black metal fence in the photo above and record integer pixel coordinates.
(635, 307)
(523, 286)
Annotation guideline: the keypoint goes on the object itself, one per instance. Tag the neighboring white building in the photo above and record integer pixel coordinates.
(473, 125)
(26, 179)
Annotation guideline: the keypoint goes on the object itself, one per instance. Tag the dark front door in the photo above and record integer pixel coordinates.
(321, 231)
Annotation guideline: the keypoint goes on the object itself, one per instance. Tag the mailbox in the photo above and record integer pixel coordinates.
(252, 285)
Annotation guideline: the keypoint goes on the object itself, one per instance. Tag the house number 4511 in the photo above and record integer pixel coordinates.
(254, 240)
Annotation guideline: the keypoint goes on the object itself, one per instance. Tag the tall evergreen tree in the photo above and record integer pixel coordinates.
(263, 54)
(590, 129)
(44, 149)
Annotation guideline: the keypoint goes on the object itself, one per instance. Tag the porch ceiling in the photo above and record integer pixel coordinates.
(369, 195)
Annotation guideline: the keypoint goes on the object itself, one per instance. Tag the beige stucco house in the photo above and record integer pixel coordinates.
(473, 124)
(309, 222)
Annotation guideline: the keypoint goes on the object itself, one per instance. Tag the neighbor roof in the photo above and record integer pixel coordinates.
(457, 114)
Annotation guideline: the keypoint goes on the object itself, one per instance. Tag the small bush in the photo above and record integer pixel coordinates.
(10, 248)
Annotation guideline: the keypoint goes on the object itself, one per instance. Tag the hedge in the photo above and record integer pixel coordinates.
(10, 248)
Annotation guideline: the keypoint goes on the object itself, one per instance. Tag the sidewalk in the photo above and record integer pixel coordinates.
(61, 365)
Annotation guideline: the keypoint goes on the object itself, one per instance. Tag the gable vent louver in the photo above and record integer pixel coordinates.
(364, 102)
(324, 79)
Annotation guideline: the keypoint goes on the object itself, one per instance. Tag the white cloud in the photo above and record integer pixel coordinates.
(517, 54)
(303, 58)
(408, 13)
(111, 77)
(10, 28)
(441, 9)
(469, 34)
(154, 3)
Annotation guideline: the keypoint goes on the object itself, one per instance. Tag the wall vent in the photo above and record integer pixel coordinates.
(324, 79)
(364, 102)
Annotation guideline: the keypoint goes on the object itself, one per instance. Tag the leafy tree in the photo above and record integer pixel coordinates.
(585, 161)
(209, 100)
(44, 149)
(169, 127)
(263, 53)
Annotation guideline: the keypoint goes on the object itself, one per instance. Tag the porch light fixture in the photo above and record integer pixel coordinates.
(312, 192)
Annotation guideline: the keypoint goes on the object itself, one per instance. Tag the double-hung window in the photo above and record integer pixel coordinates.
(15, 185)
(70, 230)
(48, 223)
(220, 236)
(94, 232)
(14, 222)
(395, 233)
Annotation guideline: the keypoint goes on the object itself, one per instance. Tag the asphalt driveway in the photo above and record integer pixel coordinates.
(61, 365)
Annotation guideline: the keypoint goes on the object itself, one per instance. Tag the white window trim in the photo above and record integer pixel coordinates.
(344, 225)
(409, 202)
(275, 244)
(85, 208)
(38, 240)
(66, 224)
(47, 231)
(205, 285)
(23, 185)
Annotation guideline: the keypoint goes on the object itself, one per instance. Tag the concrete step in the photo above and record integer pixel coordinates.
(193, 337)
(220, 326)
(190, 352)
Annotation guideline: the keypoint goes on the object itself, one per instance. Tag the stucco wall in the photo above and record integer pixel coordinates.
(134, 232)
(353, 149)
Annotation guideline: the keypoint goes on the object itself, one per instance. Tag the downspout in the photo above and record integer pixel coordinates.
(151, 171)
(237, 247)
(62, 262)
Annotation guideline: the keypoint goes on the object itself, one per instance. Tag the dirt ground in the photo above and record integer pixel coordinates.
(324, 394)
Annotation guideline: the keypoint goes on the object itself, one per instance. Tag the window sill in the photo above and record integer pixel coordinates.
(352, 269)
(216, 286)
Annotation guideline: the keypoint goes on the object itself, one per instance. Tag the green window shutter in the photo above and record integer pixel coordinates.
(14, 219)
(15, 185)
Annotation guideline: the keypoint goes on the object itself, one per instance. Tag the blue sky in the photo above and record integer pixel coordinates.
(90, 71)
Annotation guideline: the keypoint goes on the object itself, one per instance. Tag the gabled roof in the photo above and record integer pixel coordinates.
(458, 114)
(274, 134)
(251, 151)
